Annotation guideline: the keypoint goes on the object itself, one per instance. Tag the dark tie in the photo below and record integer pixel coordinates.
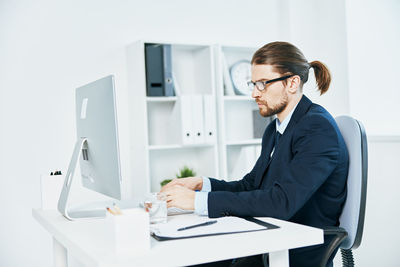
(277, 136)
(276, 140)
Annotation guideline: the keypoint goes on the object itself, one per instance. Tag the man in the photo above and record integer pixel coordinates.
(301, 173)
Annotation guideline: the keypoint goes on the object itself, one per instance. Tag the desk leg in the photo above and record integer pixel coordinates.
(59, 254)
(279, 258)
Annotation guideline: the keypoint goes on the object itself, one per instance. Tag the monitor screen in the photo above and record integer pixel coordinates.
(96, 120)
(96, 147)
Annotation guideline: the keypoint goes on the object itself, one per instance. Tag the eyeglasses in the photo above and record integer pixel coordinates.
(260, 85)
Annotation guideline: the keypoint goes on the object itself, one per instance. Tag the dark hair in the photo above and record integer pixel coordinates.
(288, 59)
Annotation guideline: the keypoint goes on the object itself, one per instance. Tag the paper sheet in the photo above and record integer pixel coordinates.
(224, 225)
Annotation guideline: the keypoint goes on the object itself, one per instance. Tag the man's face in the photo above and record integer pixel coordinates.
(274, 98)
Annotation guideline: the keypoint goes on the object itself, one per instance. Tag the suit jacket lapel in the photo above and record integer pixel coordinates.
(268, 144)
(299, 112)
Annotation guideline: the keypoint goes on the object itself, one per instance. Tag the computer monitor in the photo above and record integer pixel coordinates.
(96, 146)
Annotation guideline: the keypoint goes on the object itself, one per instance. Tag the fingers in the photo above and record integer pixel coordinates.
(172, 201)
(173, 189)
(188, 182)
(170, 198)
(171, 204)
(191, 183)
(169, 185)
(170, 193)
(174, 195)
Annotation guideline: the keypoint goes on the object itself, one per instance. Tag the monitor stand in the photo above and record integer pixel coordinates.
(80, 145)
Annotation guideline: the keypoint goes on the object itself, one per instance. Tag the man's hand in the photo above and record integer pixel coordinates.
(180, 197)
(192, 183)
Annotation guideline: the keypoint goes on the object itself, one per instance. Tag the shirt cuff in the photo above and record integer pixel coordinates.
(201, 203)
(206, 184)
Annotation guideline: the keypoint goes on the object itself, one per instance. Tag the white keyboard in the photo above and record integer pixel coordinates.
(177, 211)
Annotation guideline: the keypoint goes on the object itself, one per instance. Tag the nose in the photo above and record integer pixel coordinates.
(255, 93)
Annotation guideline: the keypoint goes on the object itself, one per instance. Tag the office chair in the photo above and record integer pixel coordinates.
(348, 235)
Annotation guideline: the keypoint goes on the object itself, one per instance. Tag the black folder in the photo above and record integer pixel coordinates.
(159, 70)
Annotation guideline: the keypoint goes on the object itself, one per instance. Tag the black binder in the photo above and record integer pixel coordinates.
(267, 226)
(159, 70)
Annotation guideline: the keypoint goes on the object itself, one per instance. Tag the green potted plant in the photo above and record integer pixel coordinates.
(184, 172)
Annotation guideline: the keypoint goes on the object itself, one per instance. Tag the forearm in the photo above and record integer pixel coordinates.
(232, 186)
(256, 203)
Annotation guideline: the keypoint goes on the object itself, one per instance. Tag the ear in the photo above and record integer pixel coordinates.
(294, 84)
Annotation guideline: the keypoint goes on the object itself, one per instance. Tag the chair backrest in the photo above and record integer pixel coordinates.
(352, 217)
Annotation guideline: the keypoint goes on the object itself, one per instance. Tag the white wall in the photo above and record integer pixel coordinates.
(48, 48)
(318, 28)
(373, 35)
(374, 56)
(380, 244)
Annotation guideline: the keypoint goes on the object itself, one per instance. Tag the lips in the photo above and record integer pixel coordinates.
(259, 104)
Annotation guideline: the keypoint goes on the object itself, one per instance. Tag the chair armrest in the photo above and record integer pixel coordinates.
(332, 230)
(333, 237)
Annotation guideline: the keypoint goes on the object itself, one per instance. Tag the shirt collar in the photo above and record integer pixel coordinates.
(281, 127)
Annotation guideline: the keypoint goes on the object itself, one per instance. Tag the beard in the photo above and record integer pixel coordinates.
(268, 110)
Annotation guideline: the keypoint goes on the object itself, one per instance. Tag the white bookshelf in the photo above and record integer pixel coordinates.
(158, 150)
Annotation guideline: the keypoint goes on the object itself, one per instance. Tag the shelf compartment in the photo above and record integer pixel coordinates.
(231, 55)
(193, 69)
(239, 120)
(165, 164)
(241, 160)
(158, 118)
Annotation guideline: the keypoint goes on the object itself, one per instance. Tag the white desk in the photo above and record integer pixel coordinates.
(84, 240)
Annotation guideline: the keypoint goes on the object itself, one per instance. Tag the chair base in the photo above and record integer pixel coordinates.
(347, 257)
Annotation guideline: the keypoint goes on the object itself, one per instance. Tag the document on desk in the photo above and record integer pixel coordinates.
(224, 225)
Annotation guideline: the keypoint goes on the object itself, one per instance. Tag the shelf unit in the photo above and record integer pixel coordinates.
(158, 150)
(157, 147)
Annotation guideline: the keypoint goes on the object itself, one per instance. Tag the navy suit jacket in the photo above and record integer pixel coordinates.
(303, 182)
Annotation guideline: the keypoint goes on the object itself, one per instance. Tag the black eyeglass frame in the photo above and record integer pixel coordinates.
(264, 83)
